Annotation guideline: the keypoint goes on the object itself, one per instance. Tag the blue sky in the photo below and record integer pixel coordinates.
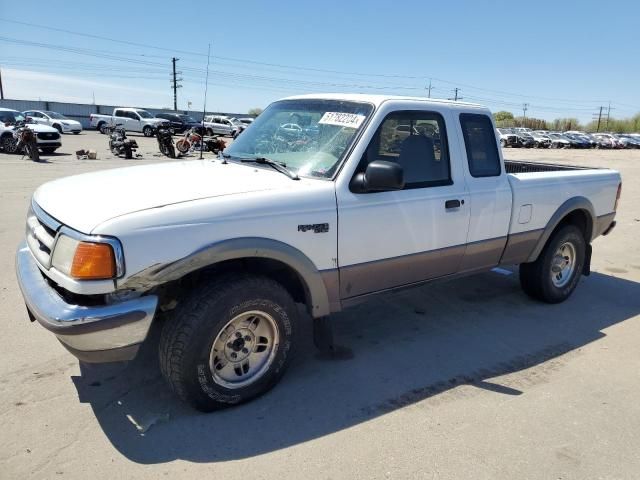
(562, 58)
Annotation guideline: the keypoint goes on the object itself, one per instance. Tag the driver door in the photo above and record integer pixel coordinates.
(395, 238)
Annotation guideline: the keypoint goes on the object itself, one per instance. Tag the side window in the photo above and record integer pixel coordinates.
(417, 140)
(480, 143)
(120, 113)
(133, 115)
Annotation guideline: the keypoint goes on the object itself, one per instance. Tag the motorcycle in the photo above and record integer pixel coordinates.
(119, 144)
(192, 139)
(164, 134)
(26, 141)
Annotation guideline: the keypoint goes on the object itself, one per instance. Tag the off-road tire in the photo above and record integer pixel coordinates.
(535, 277)
(187, 338)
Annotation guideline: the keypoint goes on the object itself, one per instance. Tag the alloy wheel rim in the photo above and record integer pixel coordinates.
(244, 349)
(563, 264)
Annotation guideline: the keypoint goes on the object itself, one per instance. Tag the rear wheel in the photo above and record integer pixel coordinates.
(147, 131)
(128, 153)
(554, 276)
(229, 341)
(170, 151)
(103, 128)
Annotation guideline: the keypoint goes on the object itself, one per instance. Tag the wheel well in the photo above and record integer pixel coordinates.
(274, 269)
(581, 219)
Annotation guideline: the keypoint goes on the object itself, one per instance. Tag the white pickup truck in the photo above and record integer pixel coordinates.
(132, 119)
(349, 204)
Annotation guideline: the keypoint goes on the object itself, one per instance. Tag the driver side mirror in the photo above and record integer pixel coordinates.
(380, 176)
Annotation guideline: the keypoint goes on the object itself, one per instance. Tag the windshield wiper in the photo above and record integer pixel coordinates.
(279, 166)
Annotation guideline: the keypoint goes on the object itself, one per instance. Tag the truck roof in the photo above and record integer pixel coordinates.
(379, 99)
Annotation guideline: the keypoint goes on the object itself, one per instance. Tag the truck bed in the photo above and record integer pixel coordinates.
(513, 166)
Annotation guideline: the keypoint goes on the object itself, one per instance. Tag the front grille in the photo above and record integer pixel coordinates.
(41, 234)
(48, 135)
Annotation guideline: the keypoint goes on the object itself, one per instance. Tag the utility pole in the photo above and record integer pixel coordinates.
(1, 89)
(455, 94)
(429, 88)
(599, 114)
(608, 114)
(525, 107)
(174, 83)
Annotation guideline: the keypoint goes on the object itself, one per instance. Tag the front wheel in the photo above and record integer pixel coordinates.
(229, 341)
(147, 131)
(554, 276)
(9, 144)
(31, 149)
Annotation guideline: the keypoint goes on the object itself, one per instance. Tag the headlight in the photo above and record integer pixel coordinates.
(84, 259)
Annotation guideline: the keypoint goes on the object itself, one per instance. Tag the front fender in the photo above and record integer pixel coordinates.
(321, 286)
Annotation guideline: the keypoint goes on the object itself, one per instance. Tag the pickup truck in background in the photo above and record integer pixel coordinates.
(351, 204)
(132, 119)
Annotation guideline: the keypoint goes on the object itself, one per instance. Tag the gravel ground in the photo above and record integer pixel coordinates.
(463, 379)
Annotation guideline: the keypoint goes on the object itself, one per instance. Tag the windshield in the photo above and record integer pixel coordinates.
(187, 118)
(144, 114)
(309, 136)
(11, 117)
(56, 115)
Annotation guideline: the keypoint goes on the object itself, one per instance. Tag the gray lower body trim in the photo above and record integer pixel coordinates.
(602, 223)
(331, 279)
(369, 277)
(483, 254)
(519, 247)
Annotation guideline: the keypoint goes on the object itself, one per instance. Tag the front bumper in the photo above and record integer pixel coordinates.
(105, 333)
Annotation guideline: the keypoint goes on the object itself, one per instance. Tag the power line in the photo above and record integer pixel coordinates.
(297, 68)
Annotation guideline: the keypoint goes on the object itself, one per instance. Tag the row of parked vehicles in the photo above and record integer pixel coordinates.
(528, 138)
(141, 121)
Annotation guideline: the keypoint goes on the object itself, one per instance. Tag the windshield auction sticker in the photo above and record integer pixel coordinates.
(351, 120)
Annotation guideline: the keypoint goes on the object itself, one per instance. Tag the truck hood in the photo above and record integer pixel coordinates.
(83, 202)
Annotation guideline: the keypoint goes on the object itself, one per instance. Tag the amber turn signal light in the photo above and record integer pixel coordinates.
(93, 261)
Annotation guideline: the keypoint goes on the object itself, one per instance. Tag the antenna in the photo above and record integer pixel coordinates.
(204, 108)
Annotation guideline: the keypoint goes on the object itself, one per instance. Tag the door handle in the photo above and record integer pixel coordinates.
(449, 204)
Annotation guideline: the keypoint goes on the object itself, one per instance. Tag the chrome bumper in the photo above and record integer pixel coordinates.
(105, 333)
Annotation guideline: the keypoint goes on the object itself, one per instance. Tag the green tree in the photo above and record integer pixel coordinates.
(254, 112)
(503, 118)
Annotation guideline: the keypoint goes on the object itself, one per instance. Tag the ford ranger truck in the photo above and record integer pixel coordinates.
(366, 194)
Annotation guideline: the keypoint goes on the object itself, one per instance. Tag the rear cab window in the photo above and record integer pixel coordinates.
(480, 144)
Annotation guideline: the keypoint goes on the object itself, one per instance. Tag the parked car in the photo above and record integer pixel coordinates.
(132, 120)
(179, 122)
(525, 139)
(507, 138)
(609, 139)
(628, 141)
(55, 120)
(541, 140)
(219, 125)
(48, 138)
(577, 141)
(559, 141)
(247, 121)
(223, 250)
